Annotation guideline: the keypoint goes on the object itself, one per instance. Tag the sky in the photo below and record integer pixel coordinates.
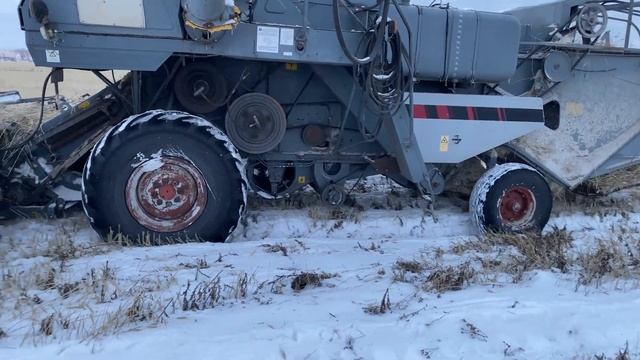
(11, 37)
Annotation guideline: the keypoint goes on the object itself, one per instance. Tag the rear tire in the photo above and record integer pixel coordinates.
(164, 177)
(511, 198)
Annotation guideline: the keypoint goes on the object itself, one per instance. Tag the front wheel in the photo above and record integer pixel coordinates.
(165, 176)
(512, 198)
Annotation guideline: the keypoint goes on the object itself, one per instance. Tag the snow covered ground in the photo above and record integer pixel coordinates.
(66, 294)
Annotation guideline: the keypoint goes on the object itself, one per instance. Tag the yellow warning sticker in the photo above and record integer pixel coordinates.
(444, 143)
(302, 180)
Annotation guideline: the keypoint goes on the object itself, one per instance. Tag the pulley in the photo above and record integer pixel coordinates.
(334, 195)
(592, 20)
(272, 182)
(200, 88)
(256, 123)
(557, 66)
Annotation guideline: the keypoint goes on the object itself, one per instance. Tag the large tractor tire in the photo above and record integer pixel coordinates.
(163, 177)
(512, 198)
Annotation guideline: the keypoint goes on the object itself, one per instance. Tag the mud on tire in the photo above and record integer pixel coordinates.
(165, 177)
(511, 197)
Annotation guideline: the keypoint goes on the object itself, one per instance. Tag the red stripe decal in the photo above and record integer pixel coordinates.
(443, 112)
(419, 112)
(471, 115)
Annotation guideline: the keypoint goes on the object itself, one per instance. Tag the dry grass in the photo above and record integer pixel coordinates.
(546, 251)
(275, 248)
(308, 280)
(18, 121)
(115, 237)
(204, 295)
(612, 259)
(472, 331)
(407, 270)
(530, 251)
(94, 306)
(434, 276)
(380, 308)
(450, 278)
(411, 266)
(622, 354)
(515, 255)
(48, 299)
(102, 303)
(621, 179)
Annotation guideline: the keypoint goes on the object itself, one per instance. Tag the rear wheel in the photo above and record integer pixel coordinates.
(165, 176)
(511, 198)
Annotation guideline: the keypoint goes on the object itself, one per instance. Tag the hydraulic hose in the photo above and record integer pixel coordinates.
(40, 120)
(379, 37)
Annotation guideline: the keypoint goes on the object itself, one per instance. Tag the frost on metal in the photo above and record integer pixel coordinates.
(26, 171)
(484, 185)
(241, 163)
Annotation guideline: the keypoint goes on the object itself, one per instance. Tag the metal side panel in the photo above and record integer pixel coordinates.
(124, 13)
(600, 115)
(395, 134)
(140, 18)
(453, 128)
(92, 52)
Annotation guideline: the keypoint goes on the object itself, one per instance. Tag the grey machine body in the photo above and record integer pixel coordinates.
(473, 82)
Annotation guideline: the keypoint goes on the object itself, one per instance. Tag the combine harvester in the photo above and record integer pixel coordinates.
(271, 96)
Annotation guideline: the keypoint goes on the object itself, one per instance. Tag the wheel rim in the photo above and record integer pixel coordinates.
(517, 206)
(166, 194)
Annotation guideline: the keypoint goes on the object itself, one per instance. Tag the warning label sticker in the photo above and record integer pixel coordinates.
(53, 56)
(286, 36)
(444, 143)
(268, 39)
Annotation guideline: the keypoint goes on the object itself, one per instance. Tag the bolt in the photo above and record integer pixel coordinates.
(516, 206)
(256, 122)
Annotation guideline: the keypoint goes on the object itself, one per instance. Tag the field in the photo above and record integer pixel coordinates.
(381, 279)
(28, 79)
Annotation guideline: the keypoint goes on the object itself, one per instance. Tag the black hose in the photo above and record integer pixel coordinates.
(40, 120)
(378, 39)
(385, 83)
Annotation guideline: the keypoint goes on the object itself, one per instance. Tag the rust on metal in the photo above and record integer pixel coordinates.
(166, 194)
(387, 165)
(517, 205)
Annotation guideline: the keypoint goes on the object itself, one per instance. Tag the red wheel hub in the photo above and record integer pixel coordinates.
(166, 194)
(517, 205)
